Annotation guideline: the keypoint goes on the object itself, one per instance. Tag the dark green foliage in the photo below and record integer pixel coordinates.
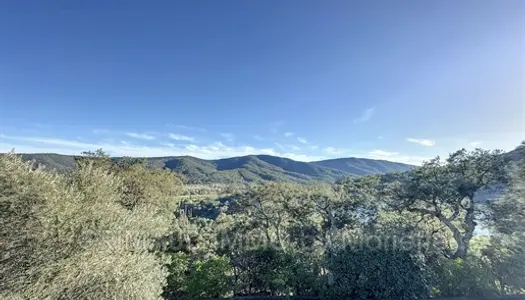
(276, 271)
(504, 258)
(178, 270)
(259, 270)
(462, 277)
(198, 278)
(360, 272)
(209, 278)
(303, 273)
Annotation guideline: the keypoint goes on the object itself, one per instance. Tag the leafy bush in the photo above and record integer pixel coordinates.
(504, 258)
(302, 273)
(209, 278)
(178, 270)
(74, 237)
(364, 273)
(469, 277)
(260, 269)
(197, 279)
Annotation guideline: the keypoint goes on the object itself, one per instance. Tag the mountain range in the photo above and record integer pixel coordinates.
(247, 168)
(254, 167)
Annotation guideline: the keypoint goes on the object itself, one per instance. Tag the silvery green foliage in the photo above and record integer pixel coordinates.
(72, 237)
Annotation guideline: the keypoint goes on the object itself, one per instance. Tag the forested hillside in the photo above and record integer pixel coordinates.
(363, 166)
(119, 229)
(248, 168)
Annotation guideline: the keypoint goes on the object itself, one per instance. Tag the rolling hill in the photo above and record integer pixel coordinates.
(247, 168)
(255, 167)
(363, 166)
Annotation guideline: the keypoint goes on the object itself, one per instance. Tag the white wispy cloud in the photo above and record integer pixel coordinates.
(185, 127)
(279, 146)
(50, 141)
(180, 137)
(303, 157)
(475, 144)
(275, 127)
(170, 145)
(43, 125)
(381, 153)
(288, 134)
(100, 131)
(294, 147)
(302, 140)
(333, 150)
(228, 136)
(423, 142)
(25, 144)
(397, 157)
(365, 115)
(141, 136)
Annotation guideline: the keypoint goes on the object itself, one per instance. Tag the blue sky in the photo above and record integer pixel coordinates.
(395, 80)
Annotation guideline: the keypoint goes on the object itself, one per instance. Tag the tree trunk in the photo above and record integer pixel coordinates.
(461, 250)
(278, 232)
(462, 241)
(267, 232)
(502, 286)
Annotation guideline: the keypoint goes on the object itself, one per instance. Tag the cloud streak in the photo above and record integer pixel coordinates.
(228, 136)
(423, 142)
(275, 127)
(179, 137)
(141, 136)
(23, 144)
(381, 153)
(333, 150)
(366, 115)
(397, 157)
(475, 144)
(184, 127)
(302, 140)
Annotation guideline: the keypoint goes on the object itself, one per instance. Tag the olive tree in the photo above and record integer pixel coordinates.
(445, 190)
(74, 237)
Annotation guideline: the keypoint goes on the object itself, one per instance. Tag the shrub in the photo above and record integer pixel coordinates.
(469, 277)
(178, 270)
(209, 278)
(363, 273)
(73, 238)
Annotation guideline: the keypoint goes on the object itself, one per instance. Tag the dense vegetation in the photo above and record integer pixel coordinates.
(118, 229)
(247, 168)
